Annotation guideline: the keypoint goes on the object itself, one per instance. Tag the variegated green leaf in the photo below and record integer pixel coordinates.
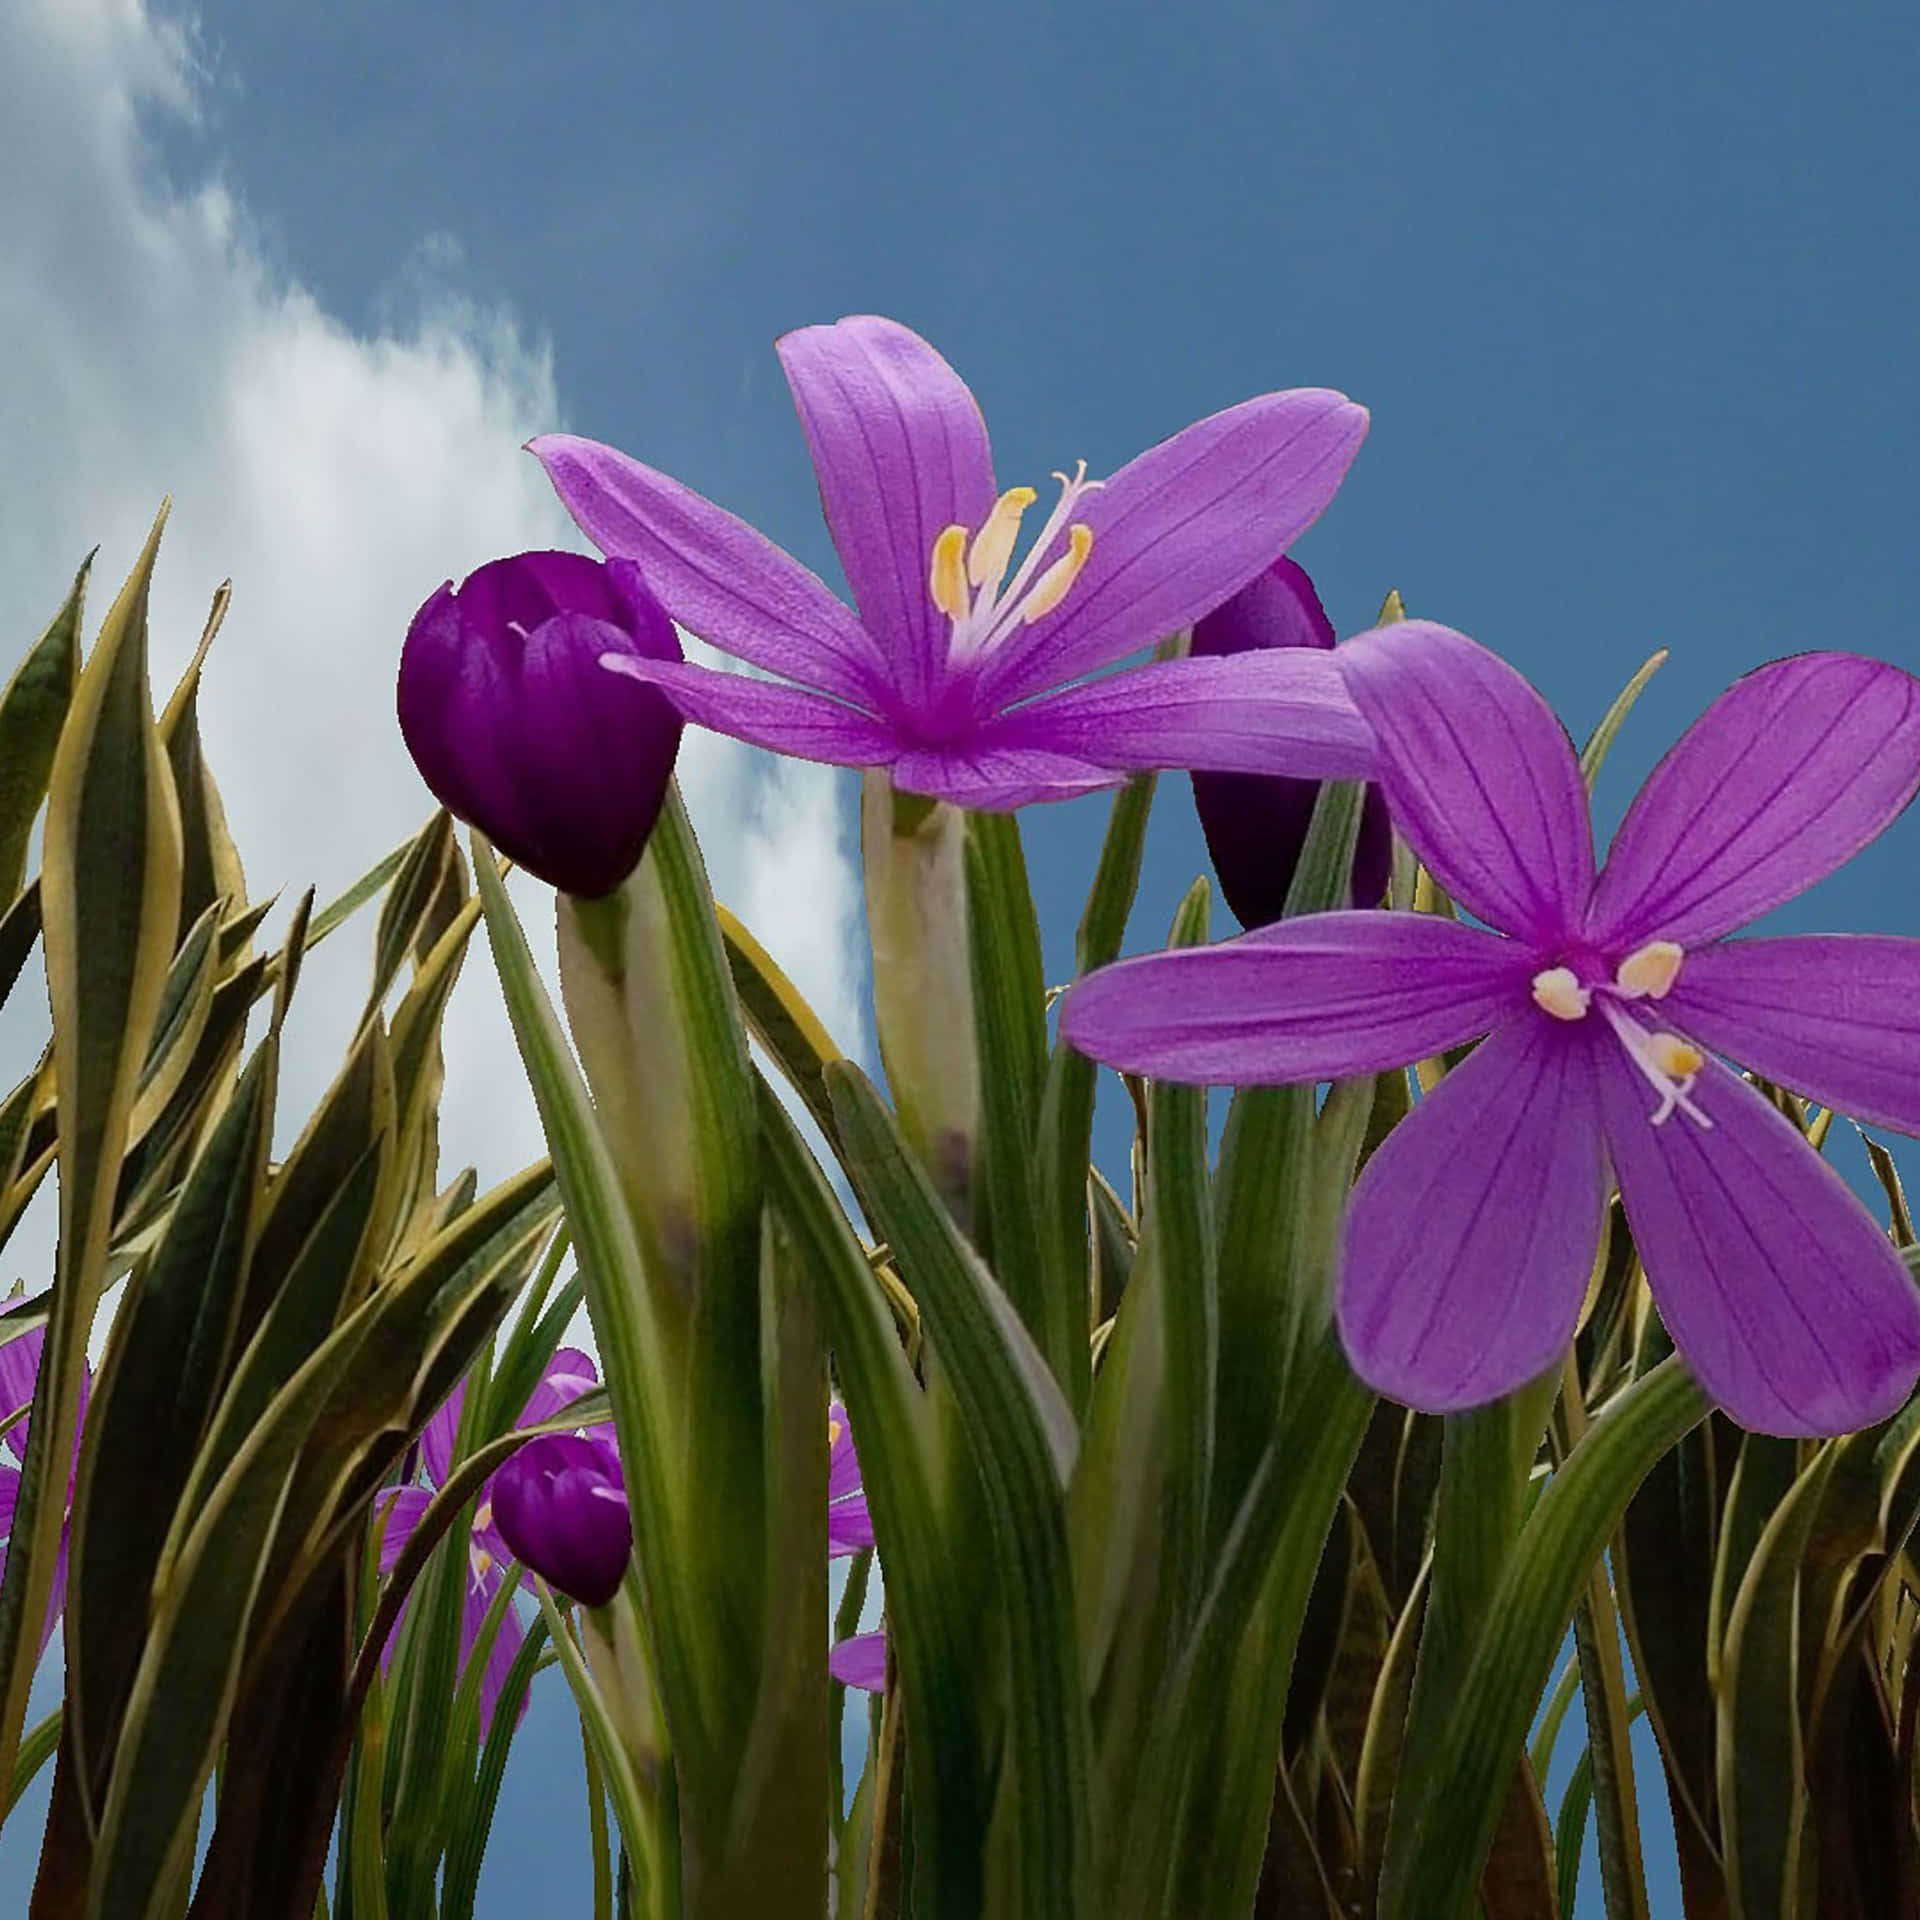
(33, 709)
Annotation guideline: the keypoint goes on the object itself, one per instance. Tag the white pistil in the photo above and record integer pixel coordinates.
(1670, 1064)
(1558, 991)
(962, 559)
(1649, 972)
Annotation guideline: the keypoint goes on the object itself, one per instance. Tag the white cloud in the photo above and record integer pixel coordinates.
(149, 348)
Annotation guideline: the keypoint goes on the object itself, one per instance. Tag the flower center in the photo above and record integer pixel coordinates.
(1670, 1064)
(967, 575)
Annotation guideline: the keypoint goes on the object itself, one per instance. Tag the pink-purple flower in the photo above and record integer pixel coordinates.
(19, 1370)
(1604, 998)
(957, 672)
(516, 729)
(397, 1511)
(1256, 824)
(860, 1660)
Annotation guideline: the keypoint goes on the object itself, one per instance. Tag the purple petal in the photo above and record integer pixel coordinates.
(402, 1508)
(860, 1662)
(19, 1370)
(1188, 523)
(1278, 607)
(1472, 1230)
(439, 1434)
(9, 1497)
(843, 1463)
(901, 453)
(1833, 1015)
(1784, 778)
(1786, 1300)
(481, 1588)
(1310, 999)
(849, 1526)
(998, 779)
(561, 1508)
(1280, 712)
(713, 573)
(568, 1375)
(1479, 776)
(766, 714)
(56, 1592)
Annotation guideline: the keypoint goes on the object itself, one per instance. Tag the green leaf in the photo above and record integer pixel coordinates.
(1065, 1122)
(416, 885)
(1010, 1030)
(1593, 755)
(781, 1020)
(19, 929)
(110, 894)
(931, 1612)
(159, 1382)
(210, 862)
(33, 709)
(1457, 1799)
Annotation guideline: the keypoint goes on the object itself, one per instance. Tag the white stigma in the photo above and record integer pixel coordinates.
(1558, 991)
(1671, 1065)
(967, 570)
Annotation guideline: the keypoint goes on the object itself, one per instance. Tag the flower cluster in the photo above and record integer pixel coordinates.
(1603, 999)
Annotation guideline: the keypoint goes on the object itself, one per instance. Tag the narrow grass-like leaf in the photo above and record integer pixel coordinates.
(1022, 1435)
(19, 929)
(110, 894)
(1594, 754)
(210, 866)
(33, 709)
(781, 1020)
(1458, 1797)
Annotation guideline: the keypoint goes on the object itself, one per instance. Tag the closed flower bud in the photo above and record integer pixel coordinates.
(518, 730)
(561, 1506)
(1256, 824)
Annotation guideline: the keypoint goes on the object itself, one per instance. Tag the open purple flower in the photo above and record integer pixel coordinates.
(561, 1506)
(956, 673)
(515, 727)
(1256, 824)
(19, 1371)
(568, 1375)
(1604, 998)
(861, 1660)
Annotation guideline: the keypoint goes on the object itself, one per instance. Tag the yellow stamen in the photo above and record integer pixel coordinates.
(993, 544)
(948, 579)
(483, 1514)
(1051, 588)
(1558, 991)
(833, 1434)
(1674, 1057)
(1649, 973)
(482, 1563)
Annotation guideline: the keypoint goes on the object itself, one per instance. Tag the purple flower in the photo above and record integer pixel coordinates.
(860, 1661)
(568, 1375)
(1604, 999)
(561, 1506)
(1256, 824)
(956, 671)
(516, 729)
(19, 1371)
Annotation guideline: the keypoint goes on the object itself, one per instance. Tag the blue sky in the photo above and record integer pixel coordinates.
(1629, 292)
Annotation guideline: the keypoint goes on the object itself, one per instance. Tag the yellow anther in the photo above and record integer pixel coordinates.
(1558, 991)
(1675, 1057)
(1051, 588)
(482, 1563)
(483, 1514)
(833, 1434)
(948, 579)
(993, 544)
(1649, 972)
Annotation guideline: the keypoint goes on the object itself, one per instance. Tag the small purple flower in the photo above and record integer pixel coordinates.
(516, 729)
(860, 1661)
(19, 1371)
(561, 1506)
(957, 671)
(1604, 998)
(1256, 824)
(568, 1375)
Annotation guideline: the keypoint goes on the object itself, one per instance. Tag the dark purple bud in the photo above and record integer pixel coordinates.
(1256, 824)
(518, 729)
(561, 1505)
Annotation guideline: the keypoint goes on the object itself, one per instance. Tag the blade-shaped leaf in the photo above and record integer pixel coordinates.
(33, 709)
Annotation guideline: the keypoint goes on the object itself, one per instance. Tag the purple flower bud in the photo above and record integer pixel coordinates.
(516, 728)
(1256, 824)
(561, 1506)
